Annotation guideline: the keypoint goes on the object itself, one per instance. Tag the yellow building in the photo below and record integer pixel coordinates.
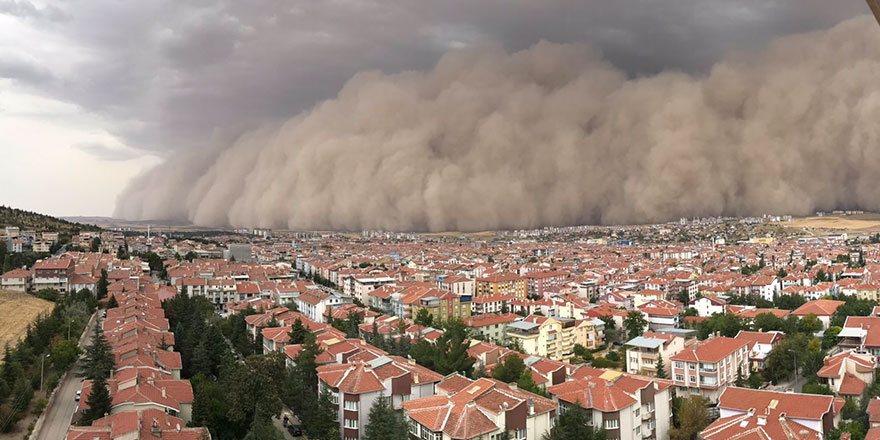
(443, 305)
(502, 284)
(554, 338)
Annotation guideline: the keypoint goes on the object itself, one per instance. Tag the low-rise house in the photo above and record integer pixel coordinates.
(148, 424)
(848, 373)
(760, 344)
(466, 409)
(171, 396)
(824, 309)
(643, 353)
(761, 414)
(709, 305)
(19, 280)
(861, 333)
(491, 327)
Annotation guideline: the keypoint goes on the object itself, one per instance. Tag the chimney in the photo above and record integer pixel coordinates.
(163, 392)
(155, 430)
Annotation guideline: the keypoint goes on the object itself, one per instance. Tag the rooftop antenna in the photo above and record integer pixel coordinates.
(875, 8)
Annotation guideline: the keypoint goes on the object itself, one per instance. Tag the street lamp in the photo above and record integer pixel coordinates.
(43, 359)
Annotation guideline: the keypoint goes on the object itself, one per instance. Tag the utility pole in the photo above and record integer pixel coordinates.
(42, 359)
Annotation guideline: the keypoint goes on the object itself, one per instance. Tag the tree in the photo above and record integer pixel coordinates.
(447, 355)
(64, 353)
(809, 324)
(98, 360)
(692, 418)
(48, 295)
(112, 303)
(424, 317)
(527, 382)
(102, 285)
(298, 332)
(635, 324)
(510, 369)
(661, 370)
(96, 244)
(384, 423)
(574, 424)
(829, 338)
(99, 402)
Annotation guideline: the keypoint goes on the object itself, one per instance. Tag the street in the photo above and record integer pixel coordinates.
(62, 406)
(293, 421)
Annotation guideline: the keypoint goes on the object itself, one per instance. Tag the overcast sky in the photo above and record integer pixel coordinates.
(93, 92)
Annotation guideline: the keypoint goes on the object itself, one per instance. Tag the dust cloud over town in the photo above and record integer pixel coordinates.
(552, 135)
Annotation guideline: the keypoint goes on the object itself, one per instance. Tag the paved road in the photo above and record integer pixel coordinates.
(63, 405)
(293, 420)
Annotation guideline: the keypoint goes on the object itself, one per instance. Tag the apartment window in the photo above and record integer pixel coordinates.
(520, 434)
(638, 430)
(351, 405)
(612, 424)
(693, 378)
(413, 428)
(679, 365)
(334, 398)
(351, 423)
(351, 438)
(651, 407)
(637, 412)
(692, 365)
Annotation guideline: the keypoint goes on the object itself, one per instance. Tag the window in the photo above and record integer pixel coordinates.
(637, 412)
(351, 405)
(679, 365)
(413, 428)
(679, 377)
(334, 398)
(520, 434)
(651, 407)
(351, 423)
(612, 424)
(692, 365)
(693, 378)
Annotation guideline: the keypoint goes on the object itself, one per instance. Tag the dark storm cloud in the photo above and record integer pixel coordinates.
(175, 73)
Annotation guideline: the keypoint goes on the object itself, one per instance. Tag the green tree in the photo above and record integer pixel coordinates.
(385, 423)
(661, 368)
(99, 402)
(424, 317)
(7, 263)
(829, 338)
(98, 361)
(112, 303)
(102, 285)
(692, 417)
(510, 369)
(48, 295)
(574, 424)
(96, 244)
(635, 324)
(64, 353)
(809, 324)
(298, 332)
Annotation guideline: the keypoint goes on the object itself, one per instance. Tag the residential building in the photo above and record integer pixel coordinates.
(824, 309)
(626, 407)
(707, 367)
(760, 344)
(861, 333)
(554, 338)
(355, 386)
(502, 284)
(147, 424)
(848, 373)
(643, 353)
(19, 280)
(491, 327)
(466, 409)
(708, 305)
(760, 414)
(457, 284)
(53, 273)
(444, 305)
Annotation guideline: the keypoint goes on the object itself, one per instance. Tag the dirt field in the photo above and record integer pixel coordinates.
(17, 310)
(859, 223)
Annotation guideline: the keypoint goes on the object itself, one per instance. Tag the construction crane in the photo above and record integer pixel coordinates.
(875, 8)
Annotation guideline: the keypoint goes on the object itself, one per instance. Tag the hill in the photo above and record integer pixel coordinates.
(27, 220)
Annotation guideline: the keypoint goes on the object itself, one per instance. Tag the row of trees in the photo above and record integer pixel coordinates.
(48, 349)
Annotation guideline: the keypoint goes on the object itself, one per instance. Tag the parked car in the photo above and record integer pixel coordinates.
(78, 395)
(294, 430)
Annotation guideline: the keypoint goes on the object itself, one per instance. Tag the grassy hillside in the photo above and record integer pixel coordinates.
(27, 220)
